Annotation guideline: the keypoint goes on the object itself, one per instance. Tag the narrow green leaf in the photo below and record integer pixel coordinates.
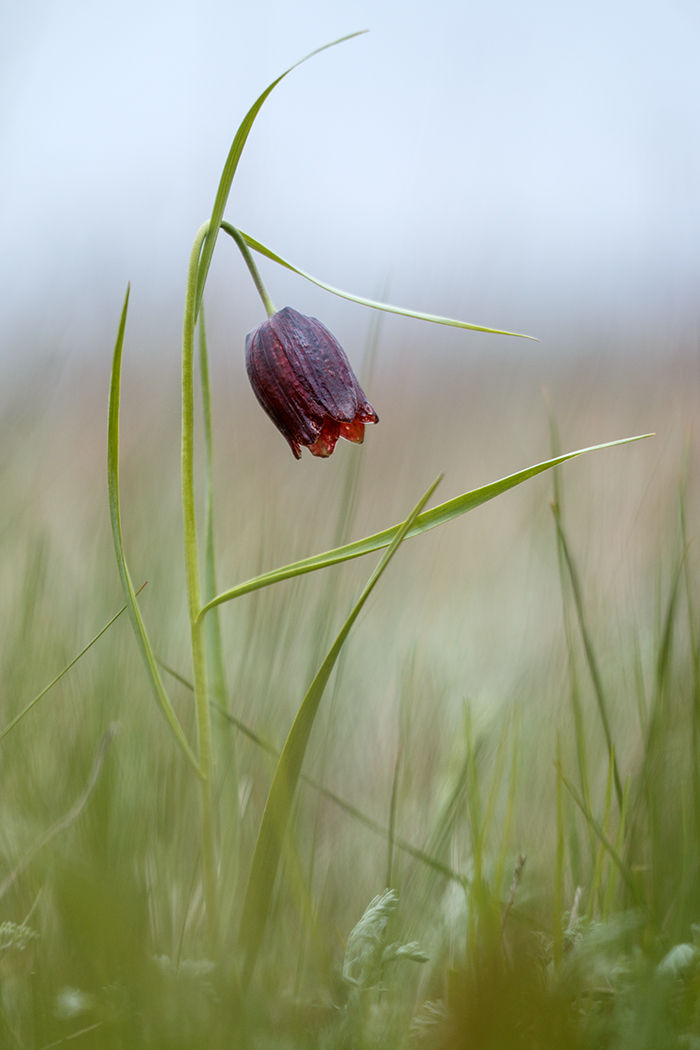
(619, 844)
(510, 805)
(258, 247)
(597, 879)
(558, 896)
(391, 836)
(623, 868)
(495, 788)
(270, 841)
(231, 164)
(575, 693)
(430, 520)
(591, 659)
(115, 516)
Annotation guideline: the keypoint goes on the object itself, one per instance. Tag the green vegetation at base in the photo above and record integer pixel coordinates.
(528, 906)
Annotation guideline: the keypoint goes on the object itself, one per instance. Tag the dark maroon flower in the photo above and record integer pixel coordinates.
(303, 379)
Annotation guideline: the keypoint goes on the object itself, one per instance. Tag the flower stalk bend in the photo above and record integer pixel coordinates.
(254, 272)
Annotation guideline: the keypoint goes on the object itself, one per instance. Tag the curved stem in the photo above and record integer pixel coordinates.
(194, 594)
(254, 272)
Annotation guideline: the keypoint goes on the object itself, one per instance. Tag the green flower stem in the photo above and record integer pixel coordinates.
(194, 596)
(216, 673)
(224, 751)
(254, 272)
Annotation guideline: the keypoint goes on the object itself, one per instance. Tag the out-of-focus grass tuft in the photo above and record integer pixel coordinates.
(463, 727)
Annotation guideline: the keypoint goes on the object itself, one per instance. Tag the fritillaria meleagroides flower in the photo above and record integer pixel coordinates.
(302, 378)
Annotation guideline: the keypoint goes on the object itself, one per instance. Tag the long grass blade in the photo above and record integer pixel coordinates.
(597, 879)
(575, 693)
(622, 867)
(510, 805)
(619, 845)
(558, 895)
(270, 840)
(374, 304)
(44, 691)
(231, 165)
(692, 628)
(496, 781)
(115, 517)
(663, 661)
(431, 519)
(391, 837)
(659, 727)
(590, 651)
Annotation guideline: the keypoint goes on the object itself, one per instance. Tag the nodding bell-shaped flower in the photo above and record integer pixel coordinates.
(303, 379)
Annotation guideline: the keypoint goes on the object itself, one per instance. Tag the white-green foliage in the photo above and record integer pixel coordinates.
(71, 1002)
(367, 952)
(16, 935)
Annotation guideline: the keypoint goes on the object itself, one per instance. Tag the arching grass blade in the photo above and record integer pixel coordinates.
(623, 868)
(258, 247)
(59, 676)
(231, 164)
(115, 517)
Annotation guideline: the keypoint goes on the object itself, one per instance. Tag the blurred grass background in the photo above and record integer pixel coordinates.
(549, 183)
(457, 669)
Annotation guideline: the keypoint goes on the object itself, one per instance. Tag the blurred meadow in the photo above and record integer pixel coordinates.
(496, 838)
(457, 667)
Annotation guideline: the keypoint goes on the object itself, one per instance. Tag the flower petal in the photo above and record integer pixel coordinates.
(354, 431)
(326, 441)
(303, 380)
(319, 363)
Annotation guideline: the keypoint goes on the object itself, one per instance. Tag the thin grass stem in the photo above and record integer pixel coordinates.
(558, 895)
(623, 868)
(510, 806)
(204, 738)
(575, 693)
(619, 846)
(597, 879)
(59, 676)
(391, 837)
(590, 652)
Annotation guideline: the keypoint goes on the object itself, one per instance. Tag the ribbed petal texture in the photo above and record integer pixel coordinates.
(302, 378)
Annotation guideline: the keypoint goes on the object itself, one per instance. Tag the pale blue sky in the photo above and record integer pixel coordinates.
(522, 164)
